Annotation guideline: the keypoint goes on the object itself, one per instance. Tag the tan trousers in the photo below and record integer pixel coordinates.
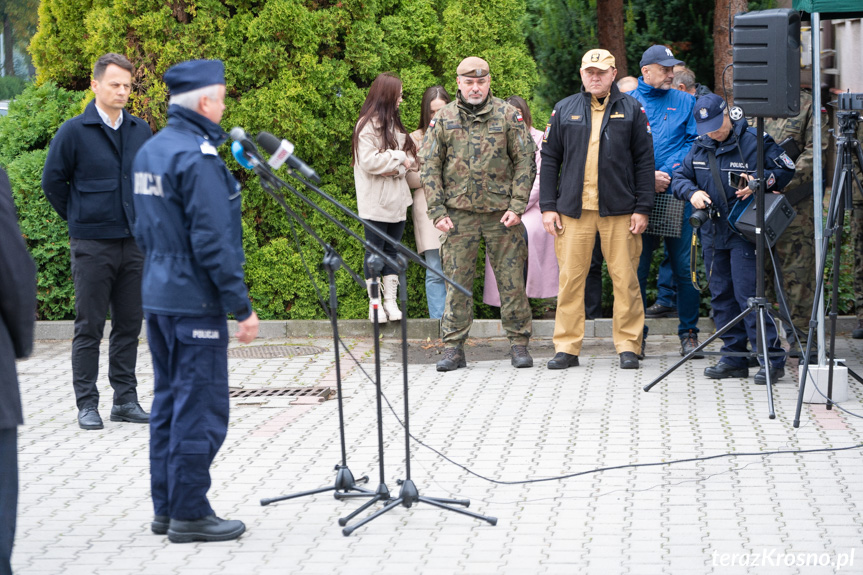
(621, 250)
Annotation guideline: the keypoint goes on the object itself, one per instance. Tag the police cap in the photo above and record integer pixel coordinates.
(194, 74)
(708, 113)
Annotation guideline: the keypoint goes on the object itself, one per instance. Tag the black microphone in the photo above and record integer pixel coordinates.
(249, 148)
(282, 151)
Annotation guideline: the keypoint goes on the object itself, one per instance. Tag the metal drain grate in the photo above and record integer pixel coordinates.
(271, 351)
(321, 393)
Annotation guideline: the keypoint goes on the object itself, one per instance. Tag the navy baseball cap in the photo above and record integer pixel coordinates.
(194, 74)
(659, 54)
(708, 113)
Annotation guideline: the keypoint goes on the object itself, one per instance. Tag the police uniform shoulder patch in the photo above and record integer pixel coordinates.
(207, 148)
(770, 181)
(785, 160)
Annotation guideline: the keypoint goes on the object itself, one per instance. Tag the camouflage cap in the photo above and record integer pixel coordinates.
(597, 58)
(473, 67)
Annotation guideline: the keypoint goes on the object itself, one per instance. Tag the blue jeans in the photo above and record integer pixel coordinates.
(688, 298)
(435, 285)
(666, 287)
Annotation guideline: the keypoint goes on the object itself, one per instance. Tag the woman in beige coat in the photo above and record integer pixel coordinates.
(427, 236)
(382, 155)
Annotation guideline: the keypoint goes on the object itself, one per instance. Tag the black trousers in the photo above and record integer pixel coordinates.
(8, 495)
(393, 230)
(107, 277)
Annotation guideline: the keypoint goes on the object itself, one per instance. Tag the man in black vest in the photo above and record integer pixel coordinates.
(88, 181)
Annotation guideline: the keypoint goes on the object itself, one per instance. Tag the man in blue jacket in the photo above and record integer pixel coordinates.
(190, 230)
(723, 150)
(673, 127)
(88, 181)
(597, 176)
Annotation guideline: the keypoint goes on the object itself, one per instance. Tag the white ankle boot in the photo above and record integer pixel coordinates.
(390, 284)
(382, 316)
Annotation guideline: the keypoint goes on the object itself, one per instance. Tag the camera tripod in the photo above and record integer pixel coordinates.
(847, 149)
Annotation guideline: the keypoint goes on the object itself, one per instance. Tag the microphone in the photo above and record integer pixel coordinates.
(249, 150)
(240, 156)
(282, 151)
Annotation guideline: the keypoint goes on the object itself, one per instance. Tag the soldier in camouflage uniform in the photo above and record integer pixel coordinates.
(795, 249)
(478, 169)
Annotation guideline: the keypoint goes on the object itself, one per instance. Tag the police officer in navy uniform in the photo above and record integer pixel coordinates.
(728, 256)
(189, 228)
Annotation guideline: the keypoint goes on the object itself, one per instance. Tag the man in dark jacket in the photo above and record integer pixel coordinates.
(723, 150)
(190, 230)
(17, 314)
(88, 180)
(597, 175)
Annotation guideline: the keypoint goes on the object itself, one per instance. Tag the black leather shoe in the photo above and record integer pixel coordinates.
(857, 333)
(130, 412)
(160, 524)
(520, 356)
(688, 343)
(562, 360)
(776, 373)
(659, 310)
(209, 528)
(628, 360)
(88, 418)
(453, 358)
(724, 370)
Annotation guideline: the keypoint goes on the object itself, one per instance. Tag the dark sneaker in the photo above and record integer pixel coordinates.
(688, 343)
(659, 310)
(724, 370)
(88, 418)
(562, 360)
(209, 528)
(776, 373)
(858, 331)
(453, 358)
(520, 356)
(160, 524)
(131, 412)
(628, 360)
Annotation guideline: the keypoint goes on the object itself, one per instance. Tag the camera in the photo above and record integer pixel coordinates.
(699, 217)
(849, 101)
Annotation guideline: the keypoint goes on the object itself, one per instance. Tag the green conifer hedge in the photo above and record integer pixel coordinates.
(299, 69)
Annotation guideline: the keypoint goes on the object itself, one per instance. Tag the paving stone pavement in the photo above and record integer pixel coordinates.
(85, 509)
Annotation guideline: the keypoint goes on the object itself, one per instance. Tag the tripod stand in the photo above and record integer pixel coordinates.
(345, 487)
(408, 493)
(757, 304)
(847, 149)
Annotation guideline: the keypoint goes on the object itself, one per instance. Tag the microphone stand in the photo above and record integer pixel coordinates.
(408, 494)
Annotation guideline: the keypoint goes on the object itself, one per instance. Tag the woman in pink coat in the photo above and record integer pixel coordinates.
(542, 271)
